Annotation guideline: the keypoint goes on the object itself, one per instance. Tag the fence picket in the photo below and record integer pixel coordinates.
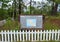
(29, 35)
(26, 35)
(11, 36)
(23, 35)
(52, 34)
(44, 35)
(38, 36)
(35, 34)
(32, 35)
(58, 34)
(20, 35)
(17, 36)
(2, 36)
(5, 36)
(41, 35)
(8, 36)
(49, 34)
(14, 36)
(55, 34)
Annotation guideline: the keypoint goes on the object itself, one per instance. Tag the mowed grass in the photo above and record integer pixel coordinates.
(38, 41)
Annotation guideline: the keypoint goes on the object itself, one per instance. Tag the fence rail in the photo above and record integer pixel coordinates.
(14, 36)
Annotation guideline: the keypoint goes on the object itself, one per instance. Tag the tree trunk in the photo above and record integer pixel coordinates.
(20, 6)
(56, 6)
(30, 6)
(54, 9)
(14, 9)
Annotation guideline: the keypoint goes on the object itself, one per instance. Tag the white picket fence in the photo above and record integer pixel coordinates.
(14, 36)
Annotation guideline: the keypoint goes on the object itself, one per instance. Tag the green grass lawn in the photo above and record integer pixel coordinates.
(38, 41)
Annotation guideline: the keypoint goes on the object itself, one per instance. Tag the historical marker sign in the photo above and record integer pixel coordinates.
(31, 21)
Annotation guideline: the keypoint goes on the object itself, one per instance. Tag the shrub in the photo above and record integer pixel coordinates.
(11, 25)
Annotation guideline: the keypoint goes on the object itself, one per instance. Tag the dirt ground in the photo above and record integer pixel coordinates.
(55, 21)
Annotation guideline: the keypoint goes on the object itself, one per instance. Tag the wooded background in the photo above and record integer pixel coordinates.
(13, 8)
